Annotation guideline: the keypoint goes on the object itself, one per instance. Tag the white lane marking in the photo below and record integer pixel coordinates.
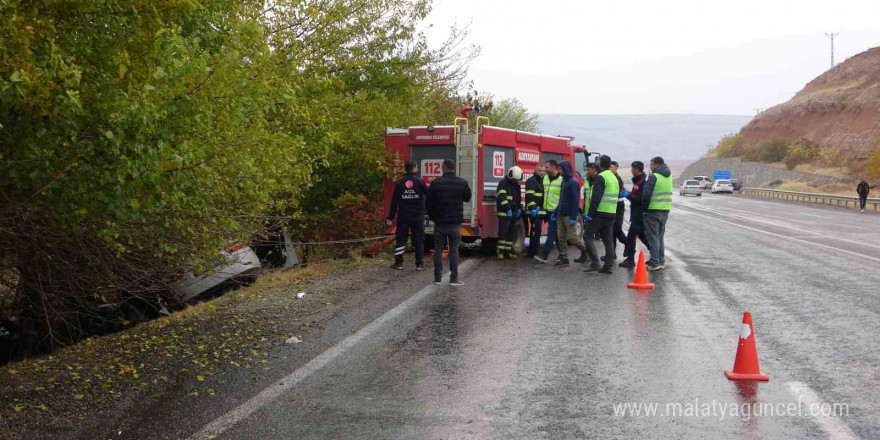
(833, 426)
(786, 226)
(811, 215)
(786, 237)
(274, 391)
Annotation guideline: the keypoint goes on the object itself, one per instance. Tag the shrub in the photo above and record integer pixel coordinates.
(730, 146)
(769, 152)
(801, 152)
(872, 166)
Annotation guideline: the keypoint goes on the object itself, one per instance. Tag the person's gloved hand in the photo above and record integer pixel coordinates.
(624, 193)
(509, 213)
(389, 222)
(572, 222)
(553, 217)
(518, 213)
(534, 212)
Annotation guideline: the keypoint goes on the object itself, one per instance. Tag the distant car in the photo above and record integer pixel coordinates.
(691, 187)
(722, 186)
(705, 181)
(242, 266)
(735, 183)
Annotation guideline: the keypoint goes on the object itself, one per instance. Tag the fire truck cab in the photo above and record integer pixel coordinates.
(482, 157)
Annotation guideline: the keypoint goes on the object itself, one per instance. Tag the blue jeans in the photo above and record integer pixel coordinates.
(551, 235)
(655, 229)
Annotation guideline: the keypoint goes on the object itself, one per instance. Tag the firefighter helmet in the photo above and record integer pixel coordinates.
(515, 173)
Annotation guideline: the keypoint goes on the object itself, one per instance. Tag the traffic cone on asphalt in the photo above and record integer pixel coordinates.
(746, 367)
(641, 280)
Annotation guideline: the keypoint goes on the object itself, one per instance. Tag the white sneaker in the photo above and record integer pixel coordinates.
(456, 283)
(863, 209)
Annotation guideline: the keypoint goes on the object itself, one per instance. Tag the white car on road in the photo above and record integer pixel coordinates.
(722, 186)
(705, 181)
(691, 187)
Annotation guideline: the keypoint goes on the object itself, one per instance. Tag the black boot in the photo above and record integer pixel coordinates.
(629, 262)
(582, 259)
(593, 267)
(562, 262)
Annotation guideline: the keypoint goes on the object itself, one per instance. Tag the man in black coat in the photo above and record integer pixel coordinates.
(535, 209)
(408, 204)
(636, 225)
(446, 198)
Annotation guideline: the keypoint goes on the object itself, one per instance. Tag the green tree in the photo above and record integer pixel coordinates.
(137, 137)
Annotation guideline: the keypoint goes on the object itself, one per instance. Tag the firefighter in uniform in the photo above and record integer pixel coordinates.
(601, 214)
(552, 192)
(408, 204)
(508, 204)
(535, 208)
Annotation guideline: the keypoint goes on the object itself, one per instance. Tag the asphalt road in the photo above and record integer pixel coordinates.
(531, 351)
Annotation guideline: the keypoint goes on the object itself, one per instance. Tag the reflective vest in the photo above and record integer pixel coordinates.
(661, 198)
(552, 193)
(608, 203)
(588, 195)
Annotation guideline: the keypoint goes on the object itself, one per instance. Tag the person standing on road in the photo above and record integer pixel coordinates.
(566, 217)
(636, 224)
(552, 193)
(601, 214)
(621, 211)
(408, 204)
(656, 202)
(535, 209)
(863, 189)
(508, 209)
(446, 198)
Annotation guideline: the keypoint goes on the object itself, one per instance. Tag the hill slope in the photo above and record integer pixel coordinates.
(675, 137)
(840, 109)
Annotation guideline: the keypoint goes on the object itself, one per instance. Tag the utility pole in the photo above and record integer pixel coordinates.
(831, 36)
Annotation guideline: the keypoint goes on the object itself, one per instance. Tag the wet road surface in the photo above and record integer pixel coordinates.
(531, 351)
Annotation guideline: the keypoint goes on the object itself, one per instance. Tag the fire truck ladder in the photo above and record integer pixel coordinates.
(466, 162)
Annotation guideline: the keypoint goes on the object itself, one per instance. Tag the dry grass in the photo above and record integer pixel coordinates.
(811, 168)
(842, 189)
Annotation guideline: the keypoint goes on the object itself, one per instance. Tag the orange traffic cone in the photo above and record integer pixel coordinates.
(641, 280)
(746, 367)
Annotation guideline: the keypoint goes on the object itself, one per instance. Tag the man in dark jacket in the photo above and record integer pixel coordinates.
(508, 209)
(446, 198)
(621, 211)
(863, 189)
(566, 217)
(408, 204)
(636, 225)
(656, 204)
(600, 215)
(535, 209)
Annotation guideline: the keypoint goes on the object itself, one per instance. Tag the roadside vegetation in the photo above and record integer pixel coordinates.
(137, 138)
(802, 156)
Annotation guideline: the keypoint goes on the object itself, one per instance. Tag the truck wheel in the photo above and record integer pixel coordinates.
(489, 246)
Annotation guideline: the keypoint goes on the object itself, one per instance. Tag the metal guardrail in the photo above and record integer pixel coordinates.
(824, 199)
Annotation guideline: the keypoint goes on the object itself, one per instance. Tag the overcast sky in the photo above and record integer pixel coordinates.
(660, 56)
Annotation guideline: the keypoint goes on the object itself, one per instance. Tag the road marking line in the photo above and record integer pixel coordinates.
(783, 225)
(786, 237)
(833, 426)
(277, 389)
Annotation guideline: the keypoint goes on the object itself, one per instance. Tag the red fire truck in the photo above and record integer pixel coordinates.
(482, 157)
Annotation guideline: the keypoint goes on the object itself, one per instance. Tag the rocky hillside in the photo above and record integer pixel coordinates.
(840, 109)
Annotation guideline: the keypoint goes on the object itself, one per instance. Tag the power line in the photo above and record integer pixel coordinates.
(831, 36)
